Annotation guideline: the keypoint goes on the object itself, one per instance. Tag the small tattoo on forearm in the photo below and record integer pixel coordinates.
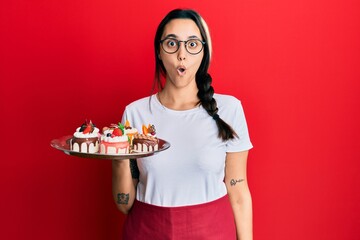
(122, 198)
(233, 181)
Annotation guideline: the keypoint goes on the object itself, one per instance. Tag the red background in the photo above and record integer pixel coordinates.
(294, 65)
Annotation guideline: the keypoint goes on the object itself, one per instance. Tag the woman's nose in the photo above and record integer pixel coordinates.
(182, 52)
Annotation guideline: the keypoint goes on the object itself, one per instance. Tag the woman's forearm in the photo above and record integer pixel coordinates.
(242, 209)
(122, 185)
(239, 193)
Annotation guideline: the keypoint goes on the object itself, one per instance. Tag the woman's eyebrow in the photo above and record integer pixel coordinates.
(193, 36)
(171, 36)
(176, 37)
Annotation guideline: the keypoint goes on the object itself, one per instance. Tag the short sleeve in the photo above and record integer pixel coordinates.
(238, 123)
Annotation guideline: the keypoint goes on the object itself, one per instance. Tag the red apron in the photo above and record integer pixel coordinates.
(208, 221)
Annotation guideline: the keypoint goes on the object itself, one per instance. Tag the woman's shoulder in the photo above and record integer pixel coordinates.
(139, 103)
(226, 100)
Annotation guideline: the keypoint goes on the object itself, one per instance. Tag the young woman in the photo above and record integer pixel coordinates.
(197, 189)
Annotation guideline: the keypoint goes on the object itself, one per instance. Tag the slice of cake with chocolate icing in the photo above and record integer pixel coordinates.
(147, 141)
(114, 140)
(85, 139)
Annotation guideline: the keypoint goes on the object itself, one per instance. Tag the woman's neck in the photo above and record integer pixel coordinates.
(178, 99)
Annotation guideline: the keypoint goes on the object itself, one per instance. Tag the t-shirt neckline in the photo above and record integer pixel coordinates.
(160, 106)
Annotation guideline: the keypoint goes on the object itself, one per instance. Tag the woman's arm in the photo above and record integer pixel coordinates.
(239, 193)
(123, 185)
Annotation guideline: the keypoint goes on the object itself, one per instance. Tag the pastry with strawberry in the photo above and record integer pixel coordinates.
(86, 138)
(114, 140)
(147, 141)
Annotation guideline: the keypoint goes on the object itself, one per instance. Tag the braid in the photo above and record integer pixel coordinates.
(205, 94)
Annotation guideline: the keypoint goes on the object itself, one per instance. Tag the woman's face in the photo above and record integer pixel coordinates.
(181, 66)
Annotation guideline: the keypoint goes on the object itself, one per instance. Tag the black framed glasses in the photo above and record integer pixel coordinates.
(172, 45)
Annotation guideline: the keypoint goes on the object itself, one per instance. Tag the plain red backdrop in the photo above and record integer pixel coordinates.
(294, 65)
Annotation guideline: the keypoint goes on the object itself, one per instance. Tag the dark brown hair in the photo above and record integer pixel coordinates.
(203, 78)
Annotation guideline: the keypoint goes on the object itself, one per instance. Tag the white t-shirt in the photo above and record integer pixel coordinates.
(191, 171)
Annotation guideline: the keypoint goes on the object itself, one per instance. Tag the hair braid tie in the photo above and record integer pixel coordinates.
(216, 117)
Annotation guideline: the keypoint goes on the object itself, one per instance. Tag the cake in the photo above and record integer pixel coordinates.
(130, 131)
(114, 140)
(147, 141)
(85, 138)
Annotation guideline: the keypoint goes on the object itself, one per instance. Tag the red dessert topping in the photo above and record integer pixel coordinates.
(87, 127)
(117, 132)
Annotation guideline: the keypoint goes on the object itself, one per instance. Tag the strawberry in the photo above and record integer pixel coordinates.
(83, 126)
(117, 132)
(88, 129)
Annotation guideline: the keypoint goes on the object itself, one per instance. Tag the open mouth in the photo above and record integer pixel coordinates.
(181, 70)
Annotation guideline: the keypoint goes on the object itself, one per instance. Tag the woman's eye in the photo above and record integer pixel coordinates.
(171, 44)
(192, 44)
